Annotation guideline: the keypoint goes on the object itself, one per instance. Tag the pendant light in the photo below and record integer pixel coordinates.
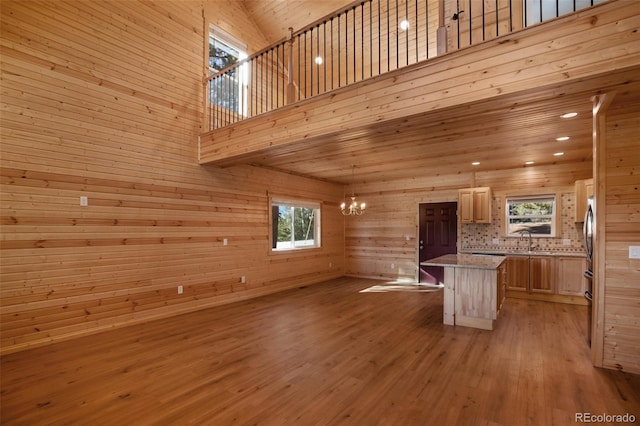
(353, 208)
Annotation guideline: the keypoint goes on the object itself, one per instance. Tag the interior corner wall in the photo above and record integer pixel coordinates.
(103, 100)
(621, 221)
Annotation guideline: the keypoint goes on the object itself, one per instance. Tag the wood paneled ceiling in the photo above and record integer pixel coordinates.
(274, 17)
(501, 134)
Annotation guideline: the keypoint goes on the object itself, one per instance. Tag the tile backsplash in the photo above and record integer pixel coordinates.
(476, 236)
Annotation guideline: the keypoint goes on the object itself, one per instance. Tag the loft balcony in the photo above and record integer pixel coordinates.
(357, 87)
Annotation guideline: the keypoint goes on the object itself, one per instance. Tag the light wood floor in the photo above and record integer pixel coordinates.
(325, 354)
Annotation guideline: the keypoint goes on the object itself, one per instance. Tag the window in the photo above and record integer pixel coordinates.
(536, 214)
(229, 91)
(295, 225)
(536, 11)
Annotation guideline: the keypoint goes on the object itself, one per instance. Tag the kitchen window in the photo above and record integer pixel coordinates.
(536, 214)
(294, 225)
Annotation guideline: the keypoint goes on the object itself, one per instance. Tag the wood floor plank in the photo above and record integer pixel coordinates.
(323, 354)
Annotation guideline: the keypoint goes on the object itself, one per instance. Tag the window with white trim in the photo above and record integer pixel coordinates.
(224, 51)
(536, 214)
(295, 225)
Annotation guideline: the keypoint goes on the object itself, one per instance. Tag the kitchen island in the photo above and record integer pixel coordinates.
(474, 288)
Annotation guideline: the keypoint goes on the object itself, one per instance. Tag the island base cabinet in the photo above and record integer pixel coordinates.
(470, 297)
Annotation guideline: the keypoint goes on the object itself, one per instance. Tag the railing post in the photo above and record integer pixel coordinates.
(441, 40)
(290, 86)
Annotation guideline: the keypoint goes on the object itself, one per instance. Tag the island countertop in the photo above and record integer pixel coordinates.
(461, 260)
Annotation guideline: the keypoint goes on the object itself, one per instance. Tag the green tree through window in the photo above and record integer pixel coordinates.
(297, 226)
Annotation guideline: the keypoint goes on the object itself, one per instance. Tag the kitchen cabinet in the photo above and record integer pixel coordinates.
(570, 276)
(546, 278)
(583, 190)
(475, 205)
(472, 296)
(542, 271)
(535, 274)
(517, 273)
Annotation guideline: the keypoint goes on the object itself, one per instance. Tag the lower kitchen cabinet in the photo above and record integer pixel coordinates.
(547, 278)
(542, 272)
(517, 273)
(570, 276)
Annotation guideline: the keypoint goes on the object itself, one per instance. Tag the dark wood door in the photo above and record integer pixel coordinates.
(438, 234)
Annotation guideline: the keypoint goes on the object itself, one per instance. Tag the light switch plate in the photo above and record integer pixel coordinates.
(84, 201)
(634, 252)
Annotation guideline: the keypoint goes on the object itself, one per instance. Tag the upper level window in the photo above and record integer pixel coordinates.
(536, 11)
(295, 225)
(227, 92)
(536, 214)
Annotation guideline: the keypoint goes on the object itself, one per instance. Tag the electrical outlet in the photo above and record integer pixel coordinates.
(180, 289)
(84, 201)
(634, 252)
(243, 280)
(393, 266)
(225, 242)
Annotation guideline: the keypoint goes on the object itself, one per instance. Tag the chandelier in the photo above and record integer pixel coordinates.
(353, 209)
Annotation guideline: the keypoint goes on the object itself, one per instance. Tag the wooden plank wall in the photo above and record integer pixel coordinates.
(383, 242)
(621, 219)
(103, 99)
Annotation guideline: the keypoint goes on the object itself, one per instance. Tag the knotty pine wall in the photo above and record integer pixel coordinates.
(383, 242)
(621, 220)
(103, 99)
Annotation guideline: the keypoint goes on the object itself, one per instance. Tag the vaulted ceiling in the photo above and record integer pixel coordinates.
(274, 17)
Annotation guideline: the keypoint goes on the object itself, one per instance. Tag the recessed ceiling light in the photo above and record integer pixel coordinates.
(318, 60)
(404, 25)
(569, 115)
(475, 163)
(563, 138)
(558, 154)
(528, 163)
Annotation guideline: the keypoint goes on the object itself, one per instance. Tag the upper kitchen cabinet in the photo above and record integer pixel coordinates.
(584, 190)
(475, 205)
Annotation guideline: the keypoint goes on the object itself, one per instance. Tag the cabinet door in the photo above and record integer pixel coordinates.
(542, 270)
(569, 276)
(517, 273)
(465, 199)
(482, 205)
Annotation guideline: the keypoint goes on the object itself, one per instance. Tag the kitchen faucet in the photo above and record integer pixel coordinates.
(522, 234)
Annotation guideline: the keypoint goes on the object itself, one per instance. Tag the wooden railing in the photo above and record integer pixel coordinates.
(366, 39)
